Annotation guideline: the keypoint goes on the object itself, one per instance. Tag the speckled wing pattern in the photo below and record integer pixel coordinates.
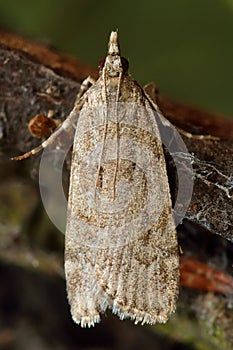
(121, 248)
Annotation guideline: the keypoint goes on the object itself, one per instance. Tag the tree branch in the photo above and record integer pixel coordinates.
(35, 79)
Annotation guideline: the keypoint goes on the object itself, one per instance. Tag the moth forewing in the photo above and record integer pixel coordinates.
(121, 245)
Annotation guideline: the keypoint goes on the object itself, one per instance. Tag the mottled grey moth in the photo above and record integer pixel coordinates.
(121, 249)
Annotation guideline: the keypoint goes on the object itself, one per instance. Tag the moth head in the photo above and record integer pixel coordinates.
(113, 64)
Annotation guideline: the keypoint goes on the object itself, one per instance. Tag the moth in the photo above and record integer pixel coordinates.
(121, 250)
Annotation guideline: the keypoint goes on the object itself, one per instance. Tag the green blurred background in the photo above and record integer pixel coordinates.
(185, 46)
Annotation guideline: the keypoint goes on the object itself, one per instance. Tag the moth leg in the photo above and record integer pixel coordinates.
(152, 92)
(80, 99)
(84, 87)
(197, 137)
